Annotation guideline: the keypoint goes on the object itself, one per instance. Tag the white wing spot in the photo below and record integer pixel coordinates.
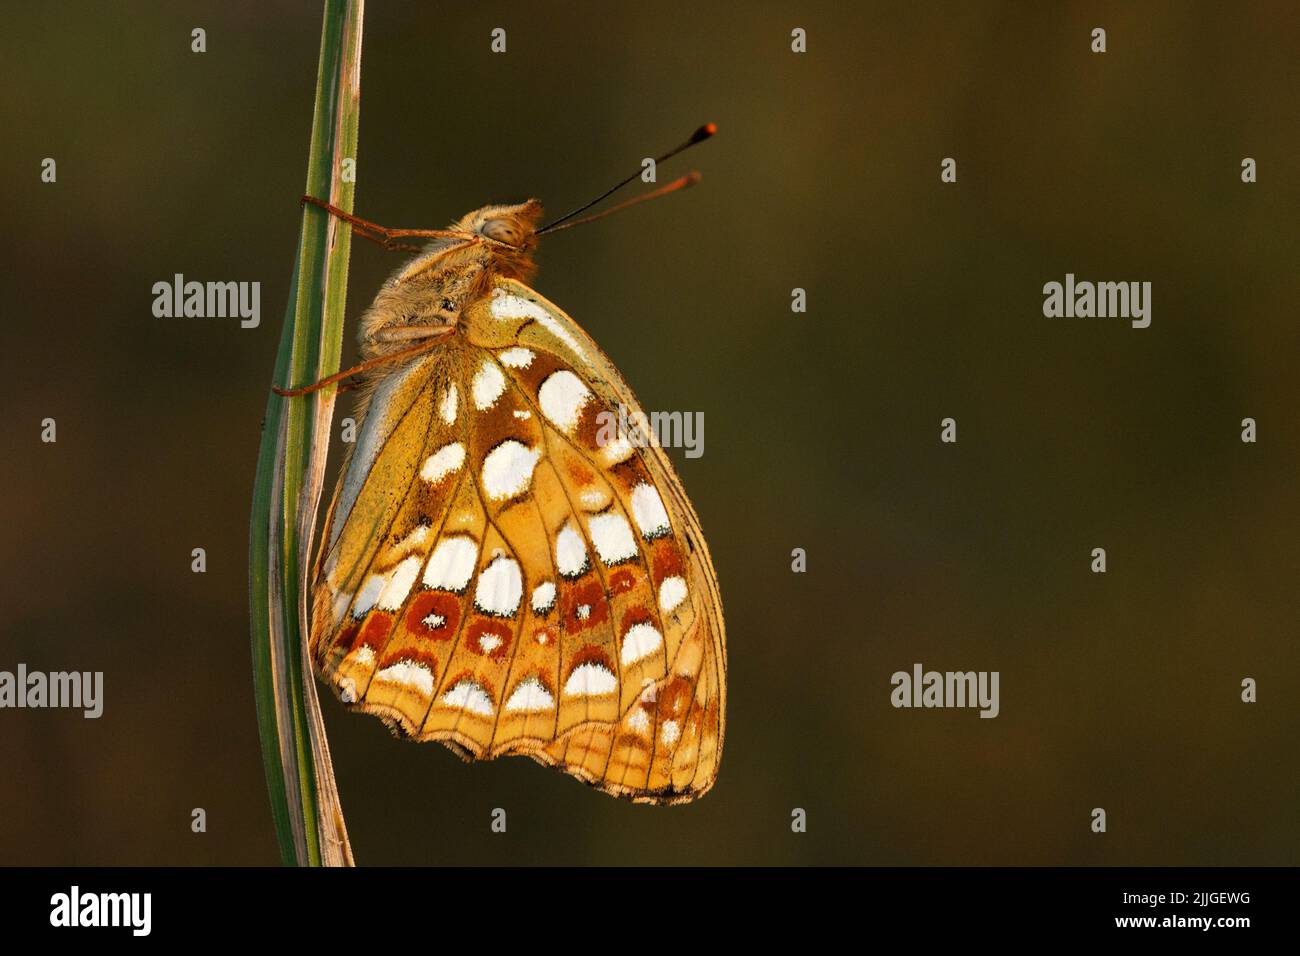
(489, 642)
(590, 680)
(516, 358)
(413, 540)
(594, 499)
(530, 695)
(500, 586)
(648, 510)
(570, 552)
(612, 537)
(369, 594)
(638, 720)
(670, 732)
(508, 307)
(562, 397)
(543, 597)
(469, 696)
(399, 584)
(508, 469)
(443, 462)
(341, 602)
(672, 592)
(616, 451)
(447, 407)
(641, 640)
(410, 674)
(434, 621)
(489, 382)
(552, 325)
(452, 564)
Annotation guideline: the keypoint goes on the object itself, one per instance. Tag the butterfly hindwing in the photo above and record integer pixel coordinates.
(505, 573)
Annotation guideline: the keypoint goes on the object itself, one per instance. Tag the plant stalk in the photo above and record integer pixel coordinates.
(290, 473)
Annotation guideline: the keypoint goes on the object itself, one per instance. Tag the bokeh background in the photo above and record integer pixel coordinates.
(822, 430)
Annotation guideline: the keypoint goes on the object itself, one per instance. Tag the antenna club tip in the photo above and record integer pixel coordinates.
(704, 132)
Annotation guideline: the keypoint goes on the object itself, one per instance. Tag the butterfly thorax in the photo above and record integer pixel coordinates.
(439, 284)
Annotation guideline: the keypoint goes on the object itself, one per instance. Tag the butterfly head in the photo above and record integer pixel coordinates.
(512, 227)
(507, 234)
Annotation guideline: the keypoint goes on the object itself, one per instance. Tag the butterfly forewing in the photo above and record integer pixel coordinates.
(505, 572)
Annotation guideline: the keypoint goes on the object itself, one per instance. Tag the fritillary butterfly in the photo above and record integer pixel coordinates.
(493, 576)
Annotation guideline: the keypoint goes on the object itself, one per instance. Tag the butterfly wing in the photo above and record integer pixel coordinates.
(505, 572)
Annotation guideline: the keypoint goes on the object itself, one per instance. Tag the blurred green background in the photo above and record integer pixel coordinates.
(924, 301)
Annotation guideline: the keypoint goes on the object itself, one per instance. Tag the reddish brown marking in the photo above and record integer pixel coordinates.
(590, 594)
(711, 717)
(348, 636)
(551, 633)
(537, 371)
(498, 424)
(374, 633)
(623, 580)
(429, 499)
(590, 425)
(635, 615)
(415, 657)
(590, 654)
(433, 602)
(667, 559)
(481, 627)
(630, 472)
(674, 699)
(579, 473)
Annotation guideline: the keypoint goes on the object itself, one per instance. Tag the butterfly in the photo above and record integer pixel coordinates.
(498, 571)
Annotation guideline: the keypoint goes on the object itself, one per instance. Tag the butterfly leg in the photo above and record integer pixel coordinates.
(404, 333)
(382, 234)
(432, 334)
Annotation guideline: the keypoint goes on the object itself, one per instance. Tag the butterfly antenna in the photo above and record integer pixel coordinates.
(681, 182)
(699, 136)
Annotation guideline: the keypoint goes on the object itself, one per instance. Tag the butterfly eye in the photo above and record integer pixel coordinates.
(501, 230)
